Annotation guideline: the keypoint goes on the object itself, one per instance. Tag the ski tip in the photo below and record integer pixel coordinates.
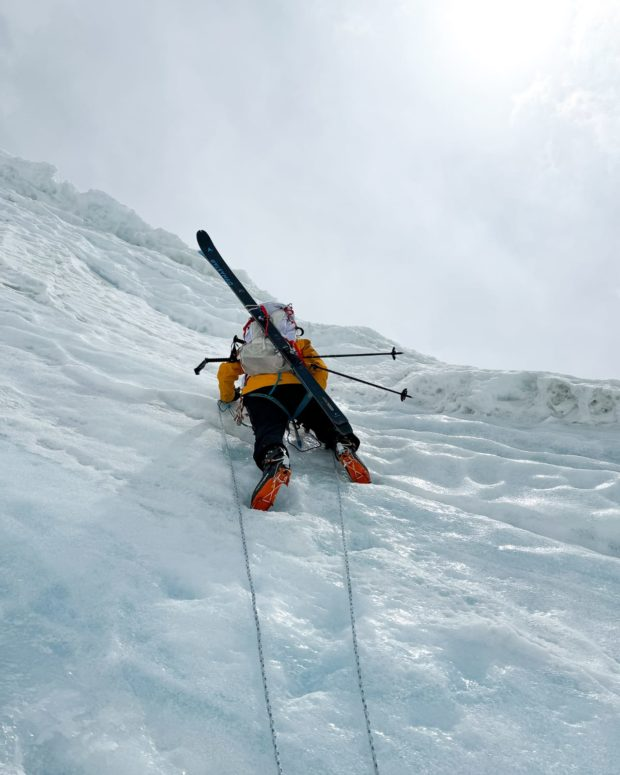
(205, 243)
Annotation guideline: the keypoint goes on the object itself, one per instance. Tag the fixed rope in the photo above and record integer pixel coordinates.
(358, 666)
(259, 639)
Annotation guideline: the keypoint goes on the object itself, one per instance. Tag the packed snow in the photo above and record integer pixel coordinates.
(484, 557)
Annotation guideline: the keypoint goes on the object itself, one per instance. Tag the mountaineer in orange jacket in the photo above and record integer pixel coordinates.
(273, 398)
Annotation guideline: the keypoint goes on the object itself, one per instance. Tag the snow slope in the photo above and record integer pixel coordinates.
(484, 558)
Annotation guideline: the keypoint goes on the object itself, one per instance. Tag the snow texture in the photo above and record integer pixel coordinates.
(484, 556)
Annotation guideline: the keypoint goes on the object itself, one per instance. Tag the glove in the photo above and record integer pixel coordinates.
(236, 397)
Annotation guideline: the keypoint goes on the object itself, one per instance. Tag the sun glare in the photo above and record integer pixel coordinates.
(505, 35)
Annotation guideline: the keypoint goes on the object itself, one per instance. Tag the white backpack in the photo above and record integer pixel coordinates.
(258, 355)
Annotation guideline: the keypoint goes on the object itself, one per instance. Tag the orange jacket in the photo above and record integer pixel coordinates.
(229, 373)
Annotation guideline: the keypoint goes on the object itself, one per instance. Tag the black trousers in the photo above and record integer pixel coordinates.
(269, 421)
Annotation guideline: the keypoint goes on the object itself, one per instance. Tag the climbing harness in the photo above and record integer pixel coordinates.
(358, 666)
(293, 437)
(259, 639)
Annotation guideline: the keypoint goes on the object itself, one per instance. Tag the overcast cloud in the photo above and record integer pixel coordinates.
(445, 172)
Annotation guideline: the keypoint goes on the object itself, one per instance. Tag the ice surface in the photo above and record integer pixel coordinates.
(485, 556)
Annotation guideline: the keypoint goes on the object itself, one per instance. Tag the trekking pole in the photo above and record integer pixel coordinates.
(232, 358)
(393, 353)
(403, 394)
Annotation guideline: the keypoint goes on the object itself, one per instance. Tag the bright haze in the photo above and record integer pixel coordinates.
(445, 173)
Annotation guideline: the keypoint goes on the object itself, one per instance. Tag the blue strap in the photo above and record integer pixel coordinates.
(305, 401)
(274, 386)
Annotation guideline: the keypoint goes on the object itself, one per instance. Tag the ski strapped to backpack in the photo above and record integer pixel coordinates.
(282, 345)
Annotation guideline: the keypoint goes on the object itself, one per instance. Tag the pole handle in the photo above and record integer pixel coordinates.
(201, 366)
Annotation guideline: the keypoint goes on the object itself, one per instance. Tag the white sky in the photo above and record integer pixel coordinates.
(445, 172)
